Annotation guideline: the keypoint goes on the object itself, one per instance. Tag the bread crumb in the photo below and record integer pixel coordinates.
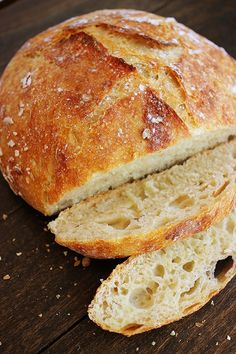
(18, 254)
(4, 216)
(101, 280)
(228, 337)
(137, 349)
(58, 296)
(86, 262)
(217, 343)
(61, 267)
(1, 152)
(17, 153)
(40, 315)
(6, 277)
(68, 314)
(200, 324)
(50, 268)
(77, 263)
(65, 253)
(153, 343)
(0, 343)
(172, 333)
(212, 303)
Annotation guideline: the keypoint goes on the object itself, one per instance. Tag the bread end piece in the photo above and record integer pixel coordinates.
(157, 288)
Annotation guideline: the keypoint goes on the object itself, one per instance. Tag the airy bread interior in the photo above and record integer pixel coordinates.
(140, 167)
(163, 200)
(156, 288)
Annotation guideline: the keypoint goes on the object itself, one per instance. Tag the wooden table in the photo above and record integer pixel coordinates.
(43, 306)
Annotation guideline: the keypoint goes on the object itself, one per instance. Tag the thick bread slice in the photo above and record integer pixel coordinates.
(151, 213)
(108, 97)
(157, 288)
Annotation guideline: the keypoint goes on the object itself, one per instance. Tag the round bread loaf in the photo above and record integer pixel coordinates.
(107, 97)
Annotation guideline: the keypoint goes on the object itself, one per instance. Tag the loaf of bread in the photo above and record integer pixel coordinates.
(151, 290)
(108, 97)
(151, 213)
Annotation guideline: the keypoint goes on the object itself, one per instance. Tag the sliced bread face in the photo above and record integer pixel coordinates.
(151, 213)
(160, 287)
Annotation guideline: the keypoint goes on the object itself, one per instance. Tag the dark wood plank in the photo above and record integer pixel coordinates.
(37, 276)
(43, 280)
(86, 338)
(9, 202)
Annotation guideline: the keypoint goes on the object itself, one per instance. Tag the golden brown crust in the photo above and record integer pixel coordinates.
(60, 129)
(158, 239)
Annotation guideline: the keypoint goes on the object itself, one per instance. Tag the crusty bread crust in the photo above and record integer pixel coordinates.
(157, 239)
(66, 118)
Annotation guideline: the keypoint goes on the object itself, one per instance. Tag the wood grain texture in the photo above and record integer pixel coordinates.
(43, 271)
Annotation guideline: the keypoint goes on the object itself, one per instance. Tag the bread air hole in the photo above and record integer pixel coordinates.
(188, 266)
(183, 202)
(192, 289)
(152, 287)
(159, 270)
(119, 223)
(104, 305)
(222, 267)
(221, 189)
(141, 193)
(230, 226)
(176, 260)
(141, 299)
(124, 291)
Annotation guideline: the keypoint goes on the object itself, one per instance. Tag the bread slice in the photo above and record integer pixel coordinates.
(157, 288)
(151, 213)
